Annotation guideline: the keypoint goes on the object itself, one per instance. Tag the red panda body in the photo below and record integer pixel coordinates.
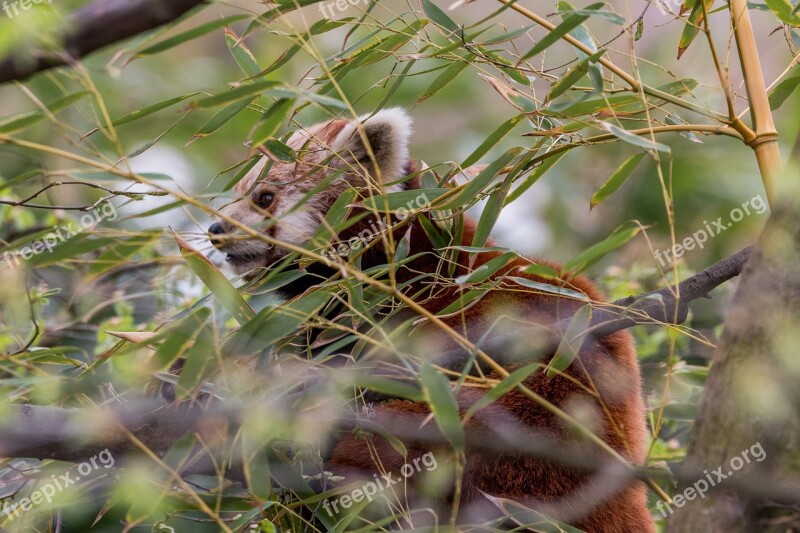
(609, 367)
(516, 448)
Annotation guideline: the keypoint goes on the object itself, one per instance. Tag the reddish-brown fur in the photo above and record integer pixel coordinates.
(610, 367)
(601, 386)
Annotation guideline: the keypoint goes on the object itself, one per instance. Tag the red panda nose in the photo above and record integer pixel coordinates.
(216, 229)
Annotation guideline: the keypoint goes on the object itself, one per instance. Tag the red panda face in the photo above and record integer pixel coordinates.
(271, 198)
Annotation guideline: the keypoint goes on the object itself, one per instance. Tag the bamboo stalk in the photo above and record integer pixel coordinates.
(765, 143)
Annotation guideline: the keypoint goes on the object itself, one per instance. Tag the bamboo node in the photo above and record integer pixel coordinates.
(761, 138)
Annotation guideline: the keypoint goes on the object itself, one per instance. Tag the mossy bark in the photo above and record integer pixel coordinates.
(752, 396)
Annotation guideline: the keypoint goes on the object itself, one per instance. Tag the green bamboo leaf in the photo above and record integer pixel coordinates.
(492, 140)
(632, 138)
(178, 337)
(464, 300)
(620, 104)
(509, 382)
(562, 292)
(410, 199)
(570, 22)
(487, 270)
(275, 322)
(199, 357)
(269, 124)
(782, 91)
(220, 119)
(580, 33)
(571, 342)
(149, 110)
(473, 188)
(217, 283)
(616, 180)
(247, 90)
(334, 220)
(181, 38)
(439, 17)
(534, 176)
(573, 75)
(120, 254)
(785, 11)
(63, 252)
(491, 212)
(445, 78)
(27, 119)
(542, 271)
(437, 392)
(20, 178)
(693, 23)
(281, 151)
(241, 54)
(593, 254)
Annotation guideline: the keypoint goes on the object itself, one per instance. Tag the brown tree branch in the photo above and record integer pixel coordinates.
(96, 26)
(669, 305)
(54, 433)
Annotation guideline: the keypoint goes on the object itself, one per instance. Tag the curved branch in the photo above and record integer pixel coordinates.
(669, 305)
(96, 26)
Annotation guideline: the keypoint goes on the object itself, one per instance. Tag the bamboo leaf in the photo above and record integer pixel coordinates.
(785, 11)
(409, 199)
(437, 392)
(632, 138)
(445, 78)
(571, 22)
(149, 110)
(509, 382)
(571, 342)
(573, 75)
(492, 140)
(487, 270)
(270, 123)
(241, 54)
(239, 93)
(473, 188)
(275, 322)
(693, 23)
(534, 176)
(616, 180)
(216, 282)
(593, 254)
(439, 17)
(27, 119)
(782, 91)
(189, 35)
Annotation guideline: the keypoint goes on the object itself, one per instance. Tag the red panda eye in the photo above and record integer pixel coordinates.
(264, 200)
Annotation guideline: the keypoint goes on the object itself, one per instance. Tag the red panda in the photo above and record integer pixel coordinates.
(601, 387)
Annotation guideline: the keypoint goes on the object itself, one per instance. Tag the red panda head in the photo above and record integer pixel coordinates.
(370, 152)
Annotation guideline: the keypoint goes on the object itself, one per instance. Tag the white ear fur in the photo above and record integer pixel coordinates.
(388, 133)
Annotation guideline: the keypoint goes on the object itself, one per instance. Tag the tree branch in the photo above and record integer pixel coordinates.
(55, 433)
(96, 26)
(669, 305)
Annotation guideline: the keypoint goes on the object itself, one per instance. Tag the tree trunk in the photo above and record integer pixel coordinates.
(752, 397)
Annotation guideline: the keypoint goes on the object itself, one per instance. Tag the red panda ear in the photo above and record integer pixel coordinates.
(387, 133)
